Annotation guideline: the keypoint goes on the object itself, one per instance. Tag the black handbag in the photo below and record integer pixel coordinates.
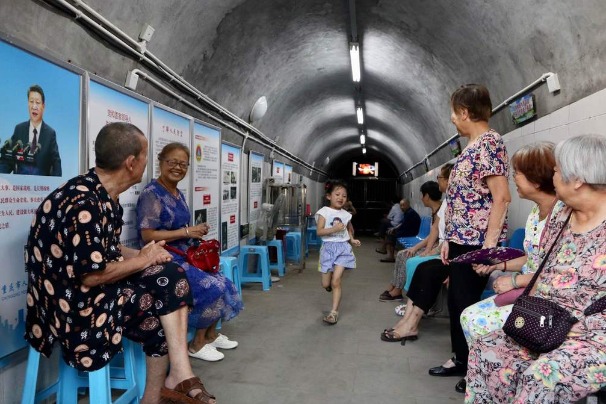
(540, 324)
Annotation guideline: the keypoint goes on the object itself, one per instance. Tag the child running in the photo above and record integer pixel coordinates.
(336, 255)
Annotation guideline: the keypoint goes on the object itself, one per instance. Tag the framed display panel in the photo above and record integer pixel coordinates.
(30, 170)
(230, 198)
(109, 103)
(255, 192)
(288, 174)
(170, 126)
(277, 171)
(205, 171)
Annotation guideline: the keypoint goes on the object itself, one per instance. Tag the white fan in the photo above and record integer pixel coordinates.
(269, 219)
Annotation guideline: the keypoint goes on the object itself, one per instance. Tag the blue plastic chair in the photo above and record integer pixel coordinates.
(262, 273)
(229, 267)
(424, 230)
(279, 265)
(293, 246)
(517, 238)
(125, 376)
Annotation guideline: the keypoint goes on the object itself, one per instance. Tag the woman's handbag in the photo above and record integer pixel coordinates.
(536, 323)
(204, 256)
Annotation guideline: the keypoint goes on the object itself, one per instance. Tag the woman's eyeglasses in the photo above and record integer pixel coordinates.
(174, 163)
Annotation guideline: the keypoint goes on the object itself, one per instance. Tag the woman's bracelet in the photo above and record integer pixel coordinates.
(186, 231)
(514, 275)
(504, 265)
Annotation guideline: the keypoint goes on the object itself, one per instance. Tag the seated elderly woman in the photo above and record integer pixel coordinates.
(532, 166)
(163, 214)
(408, 259)
(574, 276)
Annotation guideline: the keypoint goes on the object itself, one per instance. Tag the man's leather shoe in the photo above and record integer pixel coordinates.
(461, 386)
(459, 369)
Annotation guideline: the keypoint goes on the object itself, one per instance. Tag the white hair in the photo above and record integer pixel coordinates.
(583, 158)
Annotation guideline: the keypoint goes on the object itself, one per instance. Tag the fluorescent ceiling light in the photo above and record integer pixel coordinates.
(363, 150)
(360, 114)
(354, 54)
(362, 139)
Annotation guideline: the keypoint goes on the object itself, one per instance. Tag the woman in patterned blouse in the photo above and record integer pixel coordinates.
(477, 199)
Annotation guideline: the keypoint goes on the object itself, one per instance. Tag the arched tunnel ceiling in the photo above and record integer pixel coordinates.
(414, 54)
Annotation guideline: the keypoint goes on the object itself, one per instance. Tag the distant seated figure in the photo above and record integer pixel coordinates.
(393, 218)
(407, 227)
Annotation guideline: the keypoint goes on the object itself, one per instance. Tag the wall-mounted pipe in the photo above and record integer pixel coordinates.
(538, 82)
(139, 50)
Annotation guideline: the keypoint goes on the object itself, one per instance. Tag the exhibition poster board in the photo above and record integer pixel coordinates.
(30, 171)
(168, 127)
(106, 105)
(288, 174)
(230, 199)
(205, 169)
(255, 192)
(277, 172)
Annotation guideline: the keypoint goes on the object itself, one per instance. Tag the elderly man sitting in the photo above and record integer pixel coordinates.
(86, 290)
(408, 227)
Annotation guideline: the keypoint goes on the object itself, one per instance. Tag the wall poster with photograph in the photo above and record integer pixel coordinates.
(277, 172)
(168, 127)
(255, 192)
(206, 165)
(107, 104)
(288, 174)
(40, 122)
(230, 203)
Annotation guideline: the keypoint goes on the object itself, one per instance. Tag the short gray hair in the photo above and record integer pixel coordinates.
(115, 142)
(583, 158)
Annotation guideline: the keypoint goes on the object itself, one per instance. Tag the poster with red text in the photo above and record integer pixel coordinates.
(255, 193)
(230, 199)
(106, 105)
(206, 167)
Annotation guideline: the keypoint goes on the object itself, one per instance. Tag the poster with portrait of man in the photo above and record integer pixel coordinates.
(39, 149)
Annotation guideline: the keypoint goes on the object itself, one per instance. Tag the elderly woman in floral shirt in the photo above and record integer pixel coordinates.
(574, 276)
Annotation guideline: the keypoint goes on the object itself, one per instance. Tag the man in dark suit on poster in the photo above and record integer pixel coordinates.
(34, 143)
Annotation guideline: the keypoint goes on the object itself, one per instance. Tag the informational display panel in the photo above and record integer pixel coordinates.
(30, 170)
(255, 192)
(277, 171)
(288, 174)
(106, 105)
(205, 170)
(230, 199)
(169, 127)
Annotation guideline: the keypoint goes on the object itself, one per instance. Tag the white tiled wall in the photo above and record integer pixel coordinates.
(585, 116)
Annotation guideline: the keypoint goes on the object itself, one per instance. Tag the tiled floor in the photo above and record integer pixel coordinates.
(287, 355)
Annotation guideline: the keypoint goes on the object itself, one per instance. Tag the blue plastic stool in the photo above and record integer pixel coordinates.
(312, 237)
(99, 382)
(293, 246)
(229, 267)
(262, 273)
(279, 265)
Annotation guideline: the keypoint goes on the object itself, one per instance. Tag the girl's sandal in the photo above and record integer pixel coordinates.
(331, 318)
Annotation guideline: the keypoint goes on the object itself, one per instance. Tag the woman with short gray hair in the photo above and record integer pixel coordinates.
(574, 276)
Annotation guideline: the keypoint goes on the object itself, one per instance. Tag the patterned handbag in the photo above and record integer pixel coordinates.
(536, 323)
(204, 256)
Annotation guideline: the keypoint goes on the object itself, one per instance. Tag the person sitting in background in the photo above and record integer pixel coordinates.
(408, 227)
(426, 248)
(503, 371)
(87, 291)
(394, 216)
(532, 168)
(430, 196)
(163, 214)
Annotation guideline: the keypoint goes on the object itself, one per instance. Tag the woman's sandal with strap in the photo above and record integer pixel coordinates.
(180, 394)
